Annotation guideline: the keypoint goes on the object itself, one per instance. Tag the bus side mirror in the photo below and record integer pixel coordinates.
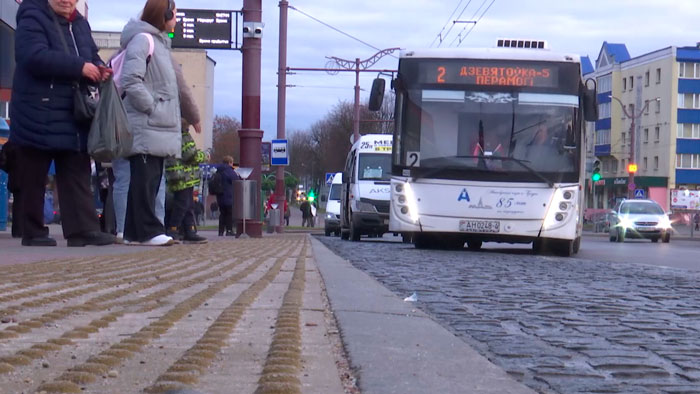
(590, 105)
(376, 96)
(343, 177)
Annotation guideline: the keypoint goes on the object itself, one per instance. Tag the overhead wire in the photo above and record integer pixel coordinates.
(459, 36)
(453, 24)
(439, 35)
(335, 28)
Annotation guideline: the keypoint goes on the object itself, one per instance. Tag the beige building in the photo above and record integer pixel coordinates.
(661, 91)
(198, 69)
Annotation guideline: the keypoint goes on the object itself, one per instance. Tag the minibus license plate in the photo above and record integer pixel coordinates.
(480, 226)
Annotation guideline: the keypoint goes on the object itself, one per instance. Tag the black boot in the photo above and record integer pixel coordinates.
(174, 233)
(191, 236)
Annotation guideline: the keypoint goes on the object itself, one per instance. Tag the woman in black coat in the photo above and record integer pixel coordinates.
(43, 126)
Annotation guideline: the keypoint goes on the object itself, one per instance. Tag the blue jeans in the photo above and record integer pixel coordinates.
(122, 177)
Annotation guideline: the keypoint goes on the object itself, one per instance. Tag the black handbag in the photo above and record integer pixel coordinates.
(85, 95)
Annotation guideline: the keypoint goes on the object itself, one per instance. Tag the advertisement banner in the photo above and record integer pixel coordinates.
(685, 199)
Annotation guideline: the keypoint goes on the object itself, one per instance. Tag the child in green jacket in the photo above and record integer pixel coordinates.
(182, 176)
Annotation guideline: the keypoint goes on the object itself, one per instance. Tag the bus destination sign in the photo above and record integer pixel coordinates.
(490, 73)
(204, 29)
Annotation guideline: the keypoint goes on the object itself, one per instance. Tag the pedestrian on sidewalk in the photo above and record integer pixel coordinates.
(306, 215)
(153, 108)
(182, 176)
(44, 127)
(225, 199)
(696, 218)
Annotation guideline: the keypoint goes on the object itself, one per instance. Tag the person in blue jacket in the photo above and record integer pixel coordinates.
(225, 199)
(43, 125)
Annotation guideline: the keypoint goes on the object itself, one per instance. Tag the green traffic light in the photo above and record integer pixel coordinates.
(311, 196)
(171, 35)
(595, 177)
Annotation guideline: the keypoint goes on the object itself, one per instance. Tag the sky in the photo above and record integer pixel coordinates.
(571, 26)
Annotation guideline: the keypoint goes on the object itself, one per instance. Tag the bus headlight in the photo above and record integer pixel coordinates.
(563, 201)
(405, 201)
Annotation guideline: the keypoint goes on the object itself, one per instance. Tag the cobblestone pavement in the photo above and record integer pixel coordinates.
(559, 325)
(235, 316)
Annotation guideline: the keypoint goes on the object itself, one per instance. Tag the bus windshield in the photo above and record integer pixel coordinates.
(374, 167)
(464, 130)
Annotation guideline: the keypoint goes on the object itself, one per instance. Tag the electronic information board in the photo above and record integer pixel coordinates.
(205, 29)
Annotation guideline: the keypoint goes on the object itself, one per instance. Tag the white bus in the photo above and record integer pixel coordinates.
(489, 145)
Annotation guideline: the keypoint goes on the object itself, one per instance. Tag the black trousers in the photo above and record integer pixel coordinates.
(78, 214)
(225, 218)
(142, 223)
(182, 210)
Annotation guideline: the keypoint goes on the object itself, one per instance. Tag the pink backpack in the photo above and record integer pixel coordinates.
(117, 62)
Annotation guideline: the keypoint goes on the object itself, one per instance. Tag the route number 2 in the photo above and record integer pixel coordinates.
(412, 159)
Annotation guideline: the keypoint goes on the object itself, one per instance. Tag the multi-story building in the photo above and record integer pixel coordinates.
(198, 69)
(660, 92)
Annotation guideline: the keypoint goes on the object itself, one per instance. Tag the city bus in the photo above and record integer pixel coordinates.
(489, 146)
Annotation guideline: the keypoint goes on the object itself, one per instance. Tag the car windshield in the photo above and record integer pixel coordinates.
(374, 166)
(640, 208)
(334, 194)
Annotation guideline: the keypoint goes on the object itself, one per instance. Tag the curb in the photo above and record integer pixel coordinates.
(395, 347)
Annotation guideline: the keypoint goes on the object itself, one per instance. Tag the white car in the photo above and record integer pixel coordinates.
(639, 219)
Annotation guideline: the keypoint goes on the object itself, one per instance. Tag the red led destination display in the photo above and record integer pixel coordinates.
(489, 73)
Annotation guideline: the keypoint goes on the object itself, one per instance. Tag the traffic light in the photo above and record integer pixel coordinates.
(311, 196)
(595, 176)
(631, 168)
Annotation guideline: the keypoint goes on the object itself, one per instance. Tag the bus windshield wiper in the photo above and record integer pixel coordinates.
(519, 162)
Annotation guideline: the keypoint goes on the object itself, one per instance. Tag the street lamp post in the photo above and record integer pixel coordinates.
(633, 117)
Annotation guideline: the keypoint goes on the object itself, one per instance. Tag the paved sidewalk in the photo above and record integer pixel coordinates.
(230, 316)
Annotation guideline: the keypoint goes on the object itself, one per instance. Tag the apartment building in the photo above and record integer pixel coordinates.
(659, 92)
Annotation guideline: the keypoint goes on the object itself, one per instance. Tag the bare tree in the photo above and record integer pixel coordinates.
(226, 141)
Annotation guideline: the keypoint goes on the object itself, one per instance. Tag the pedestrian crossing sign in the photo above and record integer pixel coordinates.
(329, 177)
(639, 193)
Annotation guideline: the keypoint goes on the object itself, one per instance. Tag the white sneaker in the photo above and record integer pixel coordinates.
(159, 240)
(120, 239)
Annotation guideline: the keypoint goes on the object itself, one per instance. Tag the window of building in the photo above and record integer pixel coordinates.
(605, 83)
(646, 78)
(631, 109)
(657, 132)
(624, 167)
(623, 138)
(602, 137)
(688, 130)
(687, 101)
(688, 160)
(644, 164)
(646, 136)
(656, 162)
(631, 83)
(614, 165)
(624, 84)
(658, 105)
(646, 107)
(658, 75)
(604, 110)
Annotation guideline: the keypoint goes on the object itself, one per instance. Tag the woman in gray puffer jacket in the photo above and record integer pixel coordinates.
(153, 108)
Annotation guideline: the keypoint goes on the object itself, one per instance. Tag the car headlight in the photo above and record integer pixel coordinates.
(626, 223)
(329, 216)
(664, 222)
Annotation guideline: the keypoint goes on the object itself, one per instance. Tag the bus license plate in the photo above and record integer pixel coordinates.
(480, 226)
